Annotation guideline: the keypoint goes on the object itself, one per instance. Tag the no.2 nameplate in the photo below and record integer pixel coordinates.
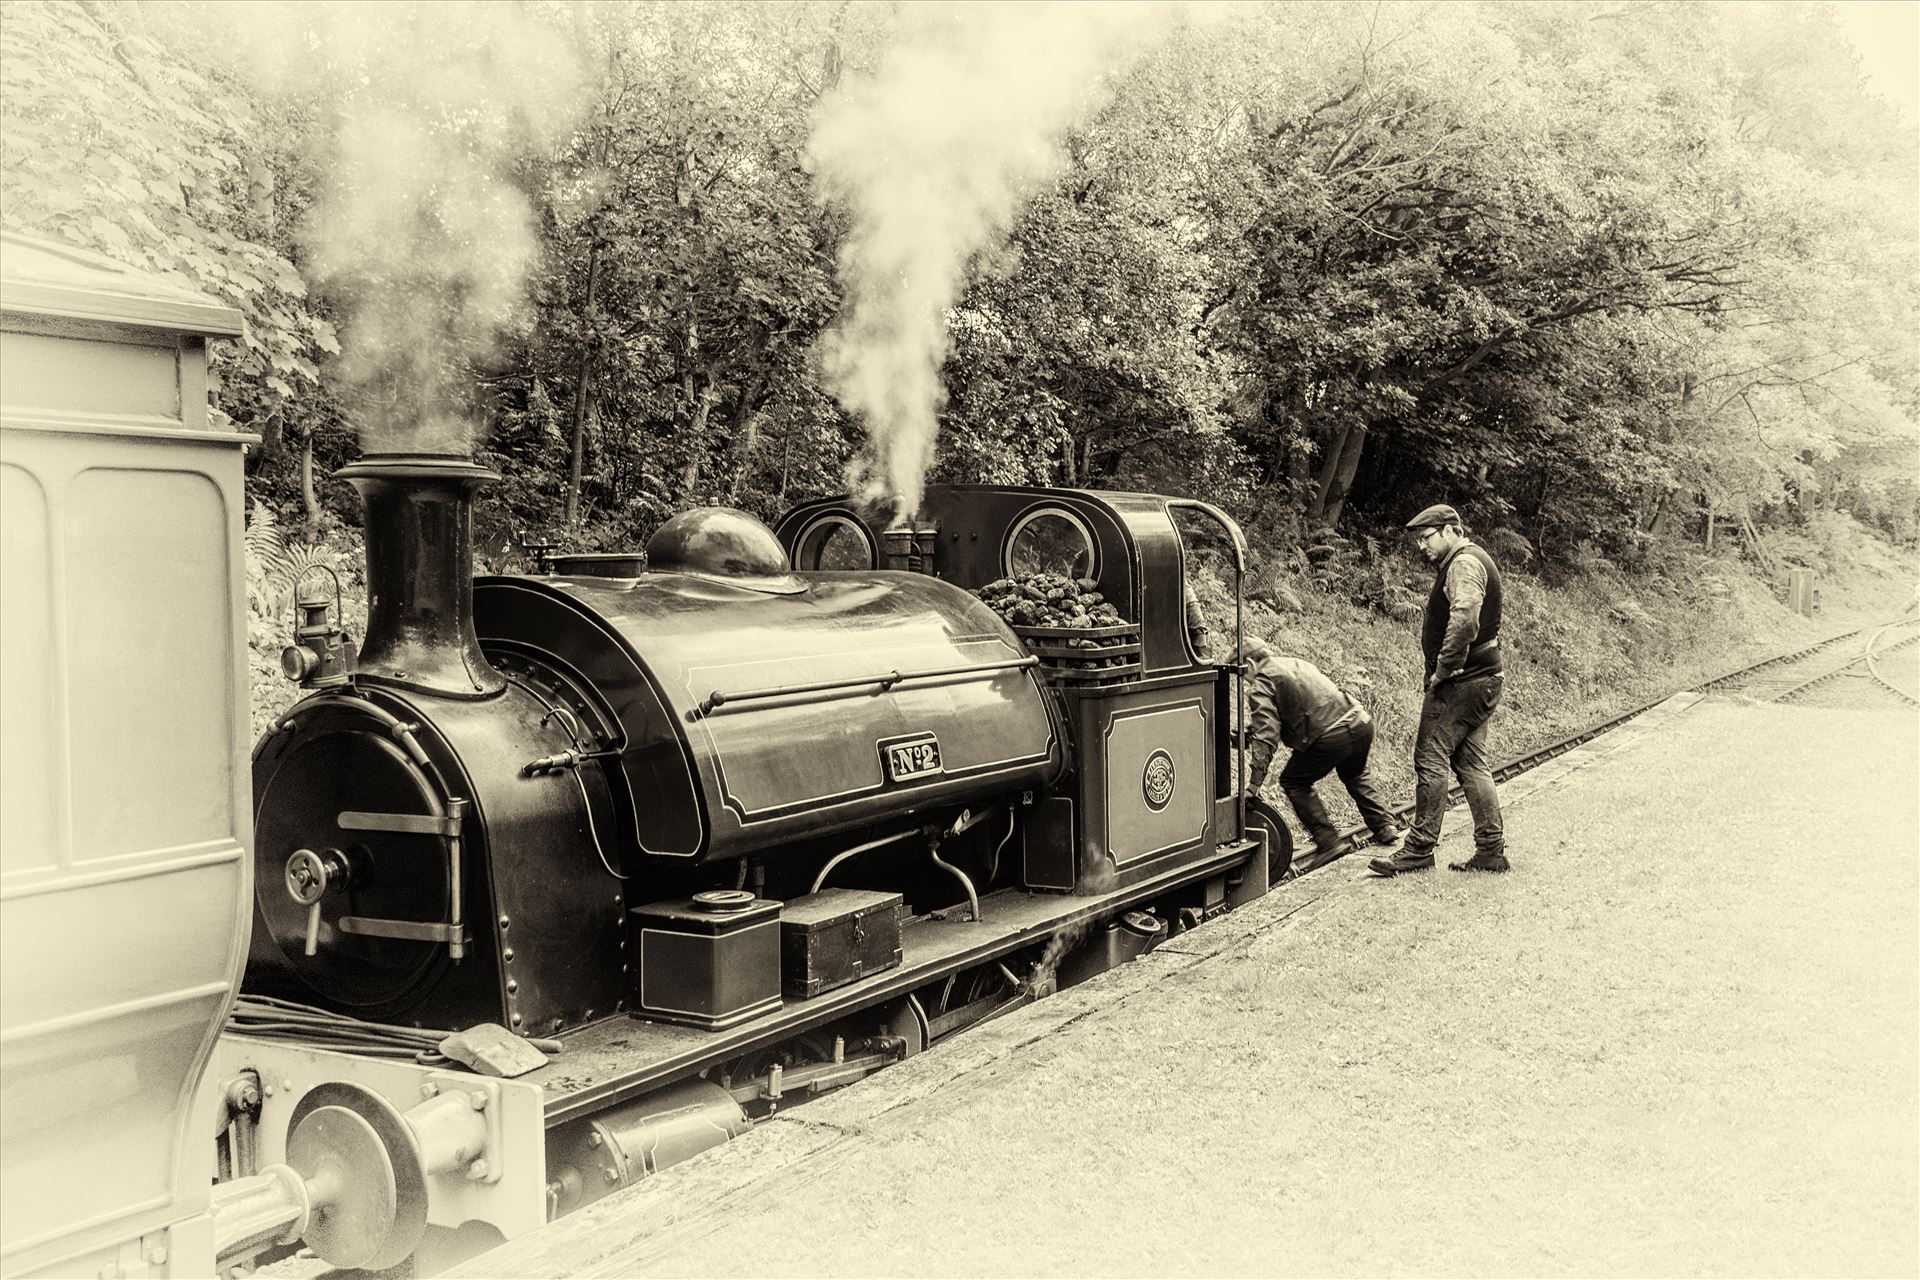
(913, 757)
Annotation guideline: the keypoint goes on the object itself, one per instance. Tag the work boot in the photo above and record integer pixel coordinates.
(1405, 860)
(1482, 862)
(1388, 838)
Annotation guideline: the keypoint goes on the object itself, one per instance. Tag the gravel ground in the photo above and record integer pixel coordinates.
(1681, 1038)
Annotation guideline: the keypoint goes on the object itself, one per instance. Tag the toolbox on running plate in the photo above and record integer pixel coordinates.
(837, 936)
(712, 960)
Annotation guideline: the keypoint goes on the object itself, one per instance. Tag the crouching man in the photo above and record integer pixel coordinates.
(1291, 701)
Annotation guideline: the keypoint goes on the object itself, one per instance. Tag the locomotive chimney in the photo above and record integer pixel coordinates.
(420, 573)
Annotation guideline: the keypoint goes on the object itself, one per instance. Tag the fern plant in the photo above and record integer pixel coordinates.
(275, 564)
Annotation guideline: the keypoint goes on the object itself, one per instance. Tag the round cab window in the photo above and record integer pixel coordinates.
(835, 544)
(1051, 541)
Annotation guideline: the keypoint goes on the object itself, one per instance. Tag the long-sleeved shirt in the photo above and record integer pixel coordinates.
(1466, 588)
(1292, 701)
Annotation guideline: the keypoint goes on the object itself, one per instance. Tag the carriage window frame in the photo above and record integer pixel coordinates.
(1032, 516)
(819, 531)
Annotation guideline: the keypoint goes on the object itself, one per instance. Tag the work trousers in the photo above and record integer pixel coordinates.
(1453, 738)
(1344, 751)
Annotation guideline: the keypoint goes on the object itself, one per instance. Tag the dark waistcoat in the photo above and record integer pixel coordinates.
(1482, 658)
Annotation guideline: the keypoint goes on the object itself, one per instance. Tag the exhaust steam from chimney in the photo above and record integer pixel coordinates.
(932, 159)
(419, 231)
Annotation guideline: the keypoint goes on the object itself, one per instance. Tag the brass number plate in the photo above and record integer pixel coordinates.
(916, 758)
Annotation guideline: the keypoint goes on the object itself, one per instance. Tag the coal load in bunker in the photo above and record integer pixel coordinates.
(558, 878)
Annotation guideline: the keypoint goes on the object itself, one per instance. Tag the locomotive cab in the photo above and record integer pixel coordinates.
(1150, 774)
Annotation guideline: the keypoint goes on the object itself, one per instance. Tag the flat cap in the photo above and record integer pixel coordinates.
(1435, 516)
(1251, 649)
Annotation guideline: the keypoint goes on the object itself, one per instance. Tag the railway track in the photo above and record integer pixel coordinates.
(1785, 682)
(1779, 678)
(1873, 667)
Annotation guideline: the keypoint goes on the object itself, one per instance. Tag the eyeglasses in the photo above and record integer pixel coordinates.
(1423, 534)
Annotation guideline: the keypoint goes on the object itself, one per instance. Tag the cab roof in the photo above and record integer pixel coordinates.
(41, 277)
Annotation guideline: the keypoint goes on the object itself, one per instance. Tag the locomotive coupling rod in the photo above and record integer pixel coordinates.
(885, 680)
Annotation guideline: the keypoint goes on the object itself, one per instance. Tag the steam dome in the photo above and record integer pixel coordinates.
(723, 544)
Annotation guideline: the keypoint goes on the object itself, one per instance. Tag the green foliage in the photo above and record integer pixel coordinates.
(1576, 268)
(116, 143)
(277, 564)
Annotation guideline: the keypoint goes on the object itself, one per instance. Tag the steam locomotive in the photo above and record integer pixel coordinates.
(704, 830)
(749, 816)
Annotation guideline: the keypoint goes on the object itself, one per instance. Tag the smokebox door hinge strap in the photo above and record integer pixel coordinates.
(445, 826)
(414, 824)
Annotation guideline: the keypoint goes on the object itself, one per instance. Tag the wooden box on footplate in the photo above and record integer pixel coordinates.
(837, 936)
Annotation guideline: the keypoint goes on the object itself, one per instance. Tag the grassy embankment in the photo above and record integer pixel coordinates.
(1580, 647)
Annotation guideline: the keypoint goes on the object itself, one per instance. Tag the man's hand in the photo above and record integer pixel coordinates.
(1260, 759)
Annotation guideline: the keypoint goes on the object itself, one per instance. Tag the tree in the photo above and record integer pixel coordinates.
(112, 142)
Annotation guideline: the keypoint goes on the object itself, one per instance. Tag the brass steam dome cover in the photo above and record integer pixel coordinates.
(724, 545)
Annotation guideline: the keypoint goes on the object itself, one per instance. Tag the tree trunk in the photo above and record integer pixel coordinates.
(1343, 482)
(697, 441)
(273, 442)
(1336, 474)
(308, 497)
(743, 457)
(582, 384)
(1329, 467)
(581, 388)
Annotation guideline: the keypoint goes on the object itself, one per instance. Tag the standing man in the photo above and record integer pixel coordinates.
(1290, 700)
(1461, 641)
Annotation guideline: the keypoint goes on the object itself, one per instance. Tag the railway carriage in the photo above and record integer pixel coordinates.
(705, 829)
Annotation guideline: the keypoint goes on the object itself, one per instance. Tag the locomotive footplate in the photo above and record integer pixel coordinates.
(620, 1058)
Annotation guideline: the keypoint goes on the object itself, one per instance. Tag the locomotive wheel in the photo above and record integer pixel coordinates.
(900, 1021)
(1262, 816)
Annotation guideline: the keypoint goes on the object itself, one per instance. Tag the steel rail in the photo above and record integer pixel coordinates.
(1874, 668)
(1864, 657)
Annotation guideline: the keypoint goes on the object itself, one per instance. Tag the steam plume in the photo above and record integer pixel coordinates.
(419, 231)
(931, 159)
